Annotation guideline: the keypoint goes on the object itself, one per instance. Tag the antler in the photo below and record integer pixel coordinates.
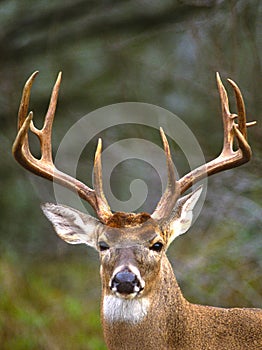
(228, 158)
(44, 166)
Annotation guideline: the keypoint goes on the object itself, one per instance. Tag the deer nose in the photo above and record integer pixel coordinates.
(125, 282)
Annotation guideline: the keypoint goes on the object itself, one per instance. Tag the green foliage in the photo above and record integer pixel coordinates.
(41, 309)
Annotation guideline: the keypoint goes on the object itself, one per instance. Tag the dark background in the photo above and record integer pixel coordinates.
(161, 52)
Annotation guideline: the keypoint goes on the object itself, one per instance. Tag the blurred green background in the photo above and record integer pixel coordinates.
(160, 52)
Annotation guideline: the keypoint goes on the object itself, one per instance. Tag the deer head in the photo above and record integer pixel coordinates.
(131, 245)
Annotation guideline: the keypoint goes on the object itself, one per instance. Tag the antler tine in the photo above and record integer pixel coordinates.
(23, 123)
(44, 166)
(228, 118)
(228, 158)
(172, 192)
(24, 104)
(45, 134)
(242, 123)
(241, 110)
(98, 183)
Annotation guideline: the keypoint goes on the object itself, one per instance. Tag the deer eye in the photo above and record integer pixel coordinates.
(157, 247)
(103, 246)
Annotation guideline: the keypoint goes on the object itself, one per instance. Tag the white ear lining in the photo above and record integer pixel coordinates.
(183, 216)
(71, 225)
(193, 198)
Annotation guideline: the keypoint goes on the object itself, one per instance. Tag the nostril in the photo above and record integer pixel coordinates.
(125, 282)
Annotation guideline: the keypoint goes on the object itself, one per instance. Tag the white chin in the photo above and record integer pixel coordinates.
(129, 296)
(121, 309)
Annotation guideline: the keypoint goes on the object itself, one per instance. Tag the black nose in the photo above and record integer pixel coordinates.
(125, 282)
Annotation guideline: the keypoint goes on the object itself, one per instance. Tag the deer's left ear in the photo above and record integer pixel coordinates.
(182, 215)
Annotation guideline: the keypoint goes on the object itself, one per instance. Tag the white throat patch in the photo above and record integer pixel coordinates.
(123, 310)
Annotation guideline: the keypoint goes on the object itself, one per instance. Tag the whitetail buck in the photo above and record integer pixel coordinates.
(142, 305)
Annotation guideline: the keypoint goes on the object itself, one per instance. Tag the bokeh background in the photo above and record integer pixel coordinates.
(160, 52)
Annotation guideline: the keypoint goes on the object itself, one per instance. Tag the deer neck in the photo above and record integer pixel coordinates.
(125, 322)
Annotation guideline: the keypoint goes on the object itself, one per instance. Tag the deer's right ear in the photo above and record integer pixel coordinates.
(73, 226)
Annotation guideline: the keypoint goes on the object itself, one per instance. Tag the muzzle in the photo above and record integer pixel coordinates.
(126, 282)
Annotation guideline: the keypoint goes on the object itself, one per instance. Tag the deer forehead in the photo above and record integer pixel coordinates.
(139, 234)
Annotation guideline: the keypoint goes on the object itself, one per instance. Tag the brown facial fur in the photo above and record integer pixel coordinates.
(121, 219)
(131, 245)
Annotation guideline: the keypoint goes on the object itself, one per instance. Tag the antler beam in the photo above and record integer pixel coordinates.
(44, 166)
(228, 158)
